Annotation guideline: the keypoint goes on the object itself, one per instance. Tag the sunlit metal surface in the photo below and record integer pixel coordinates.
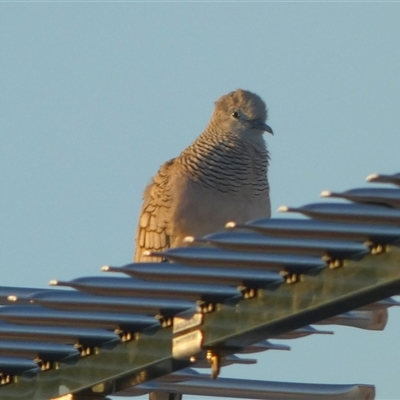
(71, 300)
(76, 336)
(37, 315)
(47, 351)
(384, 197)
(168, 272)
(340, 212)
(313, 229)
(382, 178)
(225, 293)
(250, 241)
(102, 285)
(189, 381)
(252, 389)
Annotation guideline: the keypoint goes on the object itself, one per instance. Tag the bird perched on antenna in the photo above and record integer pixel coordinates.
(221, 176)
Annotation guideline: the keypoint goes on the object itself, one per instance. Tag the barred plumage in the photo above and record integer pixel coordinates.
(221, 176)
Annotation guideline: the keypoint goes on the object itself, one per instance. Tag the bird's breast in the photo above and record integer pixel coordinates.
(199, 209)
(228, 167)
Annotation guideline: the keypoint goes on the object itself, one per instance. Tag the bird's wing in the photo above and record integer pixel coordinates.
(152, 231)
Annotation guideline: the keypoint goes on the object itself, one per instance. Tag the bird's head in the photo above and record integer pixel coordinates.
(241, 111)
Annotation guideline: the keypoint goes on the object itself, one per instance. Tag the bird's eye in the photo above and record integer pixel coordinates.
(235, 114)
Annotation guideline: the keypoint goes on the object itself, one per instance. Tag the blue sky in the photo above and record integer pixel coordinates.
(95, 96)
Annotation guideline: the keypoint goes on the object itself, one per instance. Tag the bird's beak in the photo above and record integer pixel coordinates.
(268, 129)
(262, 126)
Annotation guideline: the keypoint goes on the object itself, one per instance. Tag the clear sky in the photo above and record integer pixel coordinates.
(95, 96)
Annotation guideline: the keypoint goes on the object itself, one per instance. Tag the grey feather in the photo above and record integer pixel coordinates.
(221, 176)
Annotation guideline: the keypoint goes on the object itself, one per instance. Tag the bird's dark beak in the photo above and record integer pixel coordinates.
(268, 129)
(262, 126)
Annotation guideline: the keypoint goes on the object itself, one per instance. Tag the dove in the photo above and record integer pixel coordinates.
(220, 177)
